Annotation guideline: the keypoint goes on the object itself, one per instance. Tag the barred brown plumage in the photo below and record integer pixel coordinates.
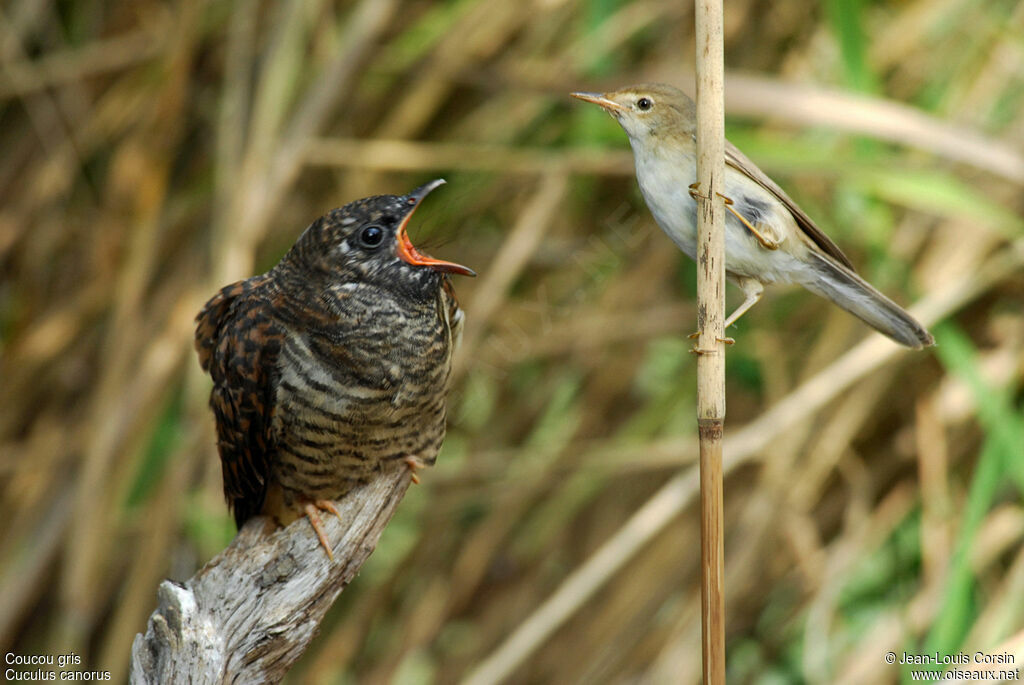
(332, 364)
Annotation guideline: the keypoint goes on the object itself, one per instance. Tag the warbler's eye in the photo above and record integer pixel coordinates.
(644, 104)
(371, 236)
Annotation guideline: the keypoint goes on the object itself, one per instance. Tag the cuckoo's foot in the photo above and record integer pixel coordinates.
(313, 510)
(414, 464)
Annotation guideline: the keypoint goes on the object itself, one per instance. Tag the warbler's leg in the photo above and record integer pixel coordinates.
(766, 242)
(753, 290)
(312, 510)
(696, 334)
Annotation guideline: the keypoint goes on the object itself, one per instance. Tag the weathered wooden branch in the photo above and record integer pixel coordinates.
(250, 613)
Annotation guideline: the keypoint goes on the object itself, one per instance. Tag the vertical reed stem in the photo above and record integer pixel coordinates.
(710, 317)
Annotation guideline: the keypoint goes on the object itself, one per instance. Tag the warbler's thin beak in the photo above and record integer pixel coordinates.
(408, 252)
(599, 99)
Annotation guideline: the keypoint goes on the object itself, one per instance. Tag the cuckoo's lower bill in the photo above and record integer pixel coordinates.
(332, 365)
(768, 238)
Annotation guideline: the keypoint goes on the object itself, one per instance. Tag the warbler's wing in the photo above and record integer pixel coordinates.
(239, 340)
(740, 162)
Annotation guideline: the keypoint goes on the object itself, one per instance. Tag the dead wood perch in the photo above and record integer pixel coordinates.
(250, 613)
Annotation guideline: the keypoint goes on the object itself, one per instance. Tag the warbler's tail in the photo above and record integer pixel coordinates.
(851, 292)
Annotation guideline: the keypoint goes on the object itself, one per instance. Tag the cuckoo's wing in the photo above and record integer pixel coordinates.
(456, 316)
(238, 341)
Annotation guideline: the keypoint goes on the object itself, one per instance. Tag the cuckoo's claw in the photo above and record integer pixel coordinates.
(313, 510)
(414, 464)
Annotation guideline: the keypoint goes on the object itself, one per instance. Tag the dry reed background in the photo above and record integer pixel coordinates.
(153, 151)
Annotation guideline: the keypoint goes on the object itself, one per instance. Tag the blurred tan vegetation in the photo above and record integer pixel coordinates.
(154, 151)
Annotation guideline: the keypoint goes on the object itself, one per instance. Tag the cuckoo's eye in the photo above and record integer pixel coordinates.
(644, 104)
(371, 236)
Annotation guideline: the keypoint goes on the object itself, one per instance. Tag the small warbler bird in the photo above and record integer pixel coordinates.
(333, 364)
(768, 238)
